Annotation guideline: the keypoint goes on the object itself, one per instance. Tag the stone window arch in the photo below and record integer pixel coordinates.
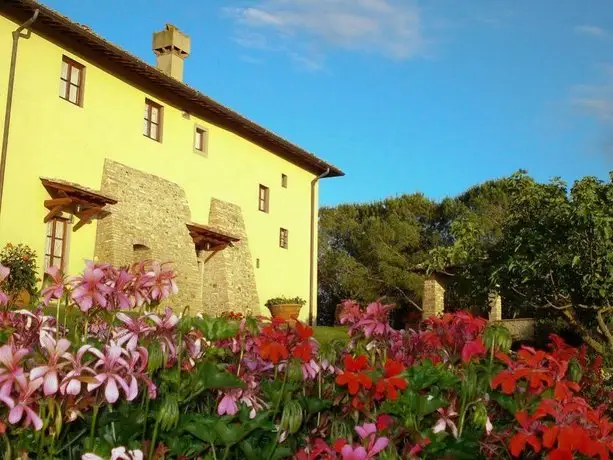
(140, 252)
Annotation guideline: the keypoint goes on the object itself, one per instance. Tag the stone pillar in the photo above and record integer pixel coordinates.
(495, 304)
(228, 277)
(433, 303)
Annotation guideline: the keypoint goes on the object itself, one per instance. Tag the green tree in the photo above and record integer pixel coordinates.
(553, 253)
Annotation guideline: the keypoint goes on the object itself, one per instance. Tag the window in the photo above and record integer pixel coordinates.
(56, 245)
(283, 237)
(284, 180)
(72, 81)
(200, 140)
(263, 199)
(153, 120)
(257, 263)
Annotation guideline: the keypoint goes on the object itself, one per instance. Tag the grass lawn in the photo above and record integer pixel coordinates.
(325, 334)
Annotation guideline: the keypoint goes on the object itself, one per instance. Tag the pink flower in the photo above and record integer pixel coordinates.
(163, 281)
(23, 405)
(111, 366)
(137, 369)
(445, 421)
(72, 382)
(165, 328)
(55, 289)
(119, 298)
(49, 372)
(4, 272)
(90, 290)
(374, 321)
(227, 405)
(310, 370)
(12, 371)
(136, 328)
(367, 432)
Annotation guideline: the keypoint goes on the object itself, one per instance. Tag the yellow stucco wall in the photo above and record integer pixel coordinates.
(53, 138)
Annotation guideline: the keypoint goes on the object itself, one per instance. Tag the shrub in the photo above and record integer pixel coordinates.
(21, 261)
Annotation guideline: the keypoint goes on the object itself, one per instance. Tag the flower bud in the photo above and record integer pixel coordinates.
(340, 430)
(169, 412)
(575, 372)
(156, 357)
(291, 419)
(480, 415)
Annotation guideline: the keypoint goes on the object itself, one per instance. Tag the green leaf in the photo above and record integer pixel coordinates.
(212, 377)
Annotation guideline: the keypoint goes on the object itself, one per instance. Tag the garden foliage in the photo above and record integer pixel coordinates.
(111, 374)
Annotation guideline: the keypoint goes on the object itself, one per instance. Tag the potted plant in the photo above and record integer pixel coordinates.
(20, 284)
(286, 308)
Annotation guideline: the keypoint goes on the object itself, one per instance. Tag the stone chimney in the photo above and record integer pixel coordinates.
(171, 46)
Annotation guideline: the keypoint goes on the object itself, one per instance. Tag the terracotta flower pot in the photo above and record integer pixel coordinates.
(288, 312)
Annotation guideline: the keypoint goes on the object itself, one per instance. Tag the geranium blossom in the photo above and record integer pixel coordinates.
(49, 371)
(90, 289)
(23, 403)
(111, 367)
(71, 384)
(55, 288)
(354, 376)
(12, 370)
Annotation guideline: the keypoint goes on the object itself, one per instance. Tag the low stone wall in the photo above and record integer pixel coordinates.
(520, 328)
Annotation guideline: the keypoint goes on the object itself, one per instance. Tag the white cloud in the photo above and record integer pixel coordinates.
(592, 31)
(596, 99)
(392, 28)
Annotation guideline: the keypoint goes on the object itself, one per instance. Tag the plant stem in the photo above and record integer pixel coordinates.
(213, 450)
(146, 416)
(154, 438)
(278, 403)
(93, 427)
(319, 377)
(8, 452)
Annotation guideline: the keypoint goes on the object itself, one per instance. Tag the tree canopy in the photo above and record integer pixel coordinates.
(552, 252)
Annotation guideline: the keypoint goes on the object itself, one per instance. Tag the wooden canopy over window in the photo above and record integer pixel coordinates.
(82, 202)
(210, 239)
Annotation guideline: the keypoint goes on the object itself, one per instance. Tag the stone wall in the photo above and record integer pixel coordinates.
(520, 328)
(433, 300)
(149, 219)
(228, 275)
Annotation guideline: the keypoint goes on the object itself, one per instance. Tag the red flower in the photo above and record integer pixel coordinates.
(384, 421)
(303, 351)
(525, 436)
(273, 351)
(353, 377)
(390, 385)
(354, 380)
(304, 331)
(359, 363)
(506, 380)
(473, 348)
(560, 454)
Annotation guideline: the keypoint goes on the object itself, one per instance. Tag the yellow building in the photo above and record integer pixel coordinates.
(105, 156)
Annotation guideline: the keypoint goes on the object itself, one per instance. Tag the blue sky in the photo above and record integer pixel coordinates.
(404, 96)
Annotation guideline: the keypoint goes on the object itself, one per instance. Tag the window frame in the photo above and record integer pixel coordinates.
(51, 257)
(204, 150)
(71, 63)
(283, 238)
(149, 106)
(264, 202)
(284, 180)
